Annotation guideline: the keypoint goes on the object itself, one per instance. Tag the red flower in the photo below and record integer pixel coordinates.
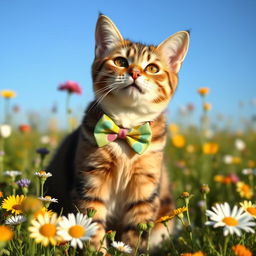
(24, 128)
(71, 87)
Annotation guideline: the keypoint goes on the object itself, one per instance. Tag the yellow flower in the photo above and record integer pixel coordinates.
(241, 250)
(249, 207)
(236, 160)
(207, 106)
(173, 128)
(8, 94)
(164, 219)
(44, 229)
(178, 141)
(190, 148)
(31, 205)
(244, 190)
(210, 148)
(251, 164)
(203, 91)
(6, 234)
(178, 212)
(219, 178)
(185, 194)
(13, 204)
(43, 211)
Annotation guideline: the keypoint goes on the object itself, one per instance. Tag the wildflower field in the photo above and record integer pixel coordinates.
(213, 174)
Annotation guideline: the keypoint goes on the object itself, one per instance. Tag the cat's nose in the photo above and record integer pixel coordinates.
(134, 74)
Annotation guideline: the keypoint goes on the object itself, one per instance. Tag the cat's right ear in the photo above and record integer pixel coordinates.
(106, 36)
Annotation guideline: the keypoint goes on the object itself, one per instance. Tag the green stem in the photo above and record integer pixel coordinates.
(138, 243)
(225, 245)
(41, 188)
(170, 237)
(148, 238)
(6, 111)
(68, 110)
(1, 156)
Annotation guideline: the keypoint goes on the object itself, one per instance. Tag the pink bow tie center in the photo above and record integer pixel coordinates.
(122, 133)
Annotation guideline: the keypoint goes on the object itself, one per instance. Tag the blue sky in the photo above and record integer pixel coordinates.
(46, 42)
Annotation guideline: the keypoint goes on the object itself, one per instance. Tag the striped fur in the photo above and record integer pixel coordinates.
(125, 188)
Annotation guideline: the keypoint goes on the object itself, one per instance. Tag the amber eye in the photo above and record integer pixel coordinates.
(121, 62)
(152, 68)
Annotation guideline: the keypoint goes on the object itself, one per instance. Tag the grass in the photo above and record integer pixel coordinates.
(205, 168)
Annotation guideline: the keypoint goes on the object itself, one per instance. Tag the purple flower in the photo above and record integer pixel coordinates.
(23, 183)
(43, 151)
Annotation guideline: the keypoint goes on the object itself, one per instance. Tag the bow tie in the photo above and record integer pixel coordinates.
(107, 131)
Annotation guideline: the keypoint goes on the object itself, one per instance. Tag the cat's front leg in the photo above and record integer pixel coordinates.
(93, 193)
(142, 199)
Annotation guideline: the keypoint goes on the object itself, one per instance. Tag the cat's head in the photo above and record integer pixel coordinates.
(135, 76)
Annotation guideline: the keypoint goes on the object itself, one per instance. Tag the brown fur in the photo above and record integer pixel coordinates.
(124, 187)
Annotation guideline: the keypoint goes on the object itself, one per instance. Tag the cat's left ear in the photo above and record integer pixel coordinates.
(174, 49)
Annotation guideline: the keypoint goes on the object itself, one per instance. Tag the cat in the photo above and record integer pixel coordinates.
(124, 179)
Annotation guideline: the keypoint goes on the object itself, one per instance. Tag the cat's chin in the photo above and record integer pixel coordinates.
(132, 88)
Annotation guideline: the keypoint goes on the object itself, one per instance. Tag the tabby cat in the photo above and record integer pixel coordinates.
(114, 162)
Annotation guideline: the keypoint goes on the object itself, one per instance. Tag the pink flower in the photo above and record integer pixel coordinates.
(234, 178)
(71, 87)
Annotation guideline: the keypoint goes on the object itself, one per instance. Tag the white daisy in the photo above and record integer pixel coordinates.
(12, 173)
(122, 247)
(240, 144)
(43, 174)
(15, 220)
(48, 199)
(44, 229)
(247, 171)
(232, 221)
(76, 228)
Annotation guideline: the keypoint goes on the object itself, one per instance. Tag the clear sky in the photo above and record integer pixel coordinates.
(46, 42)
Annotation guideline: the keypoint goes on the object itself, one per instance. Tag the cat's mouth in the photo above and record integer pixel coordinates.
(135, 86)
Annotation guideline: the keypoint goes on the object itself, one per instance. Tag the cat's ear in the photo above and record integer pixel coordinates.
(106, 36)
(174, 50)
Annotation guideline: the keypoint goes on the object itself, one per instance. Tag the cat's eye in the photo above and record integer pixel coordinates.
(121, 62)
(152, 68)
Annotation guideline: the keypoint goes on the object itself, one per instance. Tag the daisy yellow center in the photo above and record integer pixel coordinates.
(230, 221)
(16, 207)
(48, 230)
(42, 172)
(48, 197)
(252, 210)
(77, 231)
(120, 248)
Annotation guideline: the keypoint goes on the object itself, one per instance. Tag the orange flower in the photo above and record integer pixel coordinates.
(199, 253)
(1, 194)
(178, 141)
(207, 106)
(241, 250)
(203, 91)
(24, 128)
(244, 190)
(210, 148)
(6, 234)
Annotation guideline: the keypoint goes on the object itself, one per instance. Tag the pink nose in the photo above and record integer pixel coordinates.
(134, 74)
